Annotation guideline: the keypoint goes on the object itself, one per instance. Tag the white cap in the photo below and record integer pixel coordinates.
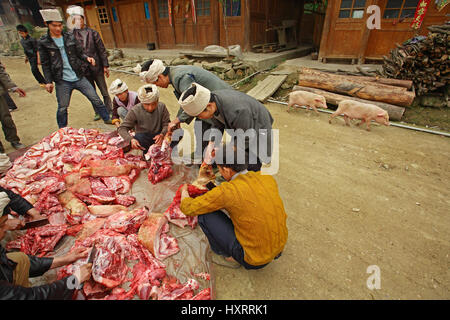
(51, 15)
(155, 69)
(193, 105)
(117, 86)
(75, 10)
(5, 163)
(148, 93)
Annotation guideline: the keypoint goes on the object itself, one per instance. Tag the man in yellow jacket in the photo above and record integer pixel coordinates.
(255, 232)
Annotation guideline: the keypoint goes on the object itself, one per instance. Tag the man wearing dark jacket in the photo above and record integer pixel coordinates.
(17, 267)
(63, 62)
(93, 47)
(249, 120)
(30, 48)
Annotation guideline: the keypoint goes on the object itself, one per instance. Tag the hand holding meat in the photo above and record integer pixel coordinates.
(14, 224)
(159, 139)
(91, 61)
(136, 145)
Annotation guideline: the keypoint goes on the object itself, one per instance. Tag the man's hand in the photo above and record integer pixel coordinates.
(14, 224)
(21, 92)
(85, 272)
(49, 87)
(159, 139)
(174, 124)
(184, 191)
(91, 61)
(76, 254)
(117, 124)
(35, 215)
(136, 145)
(106, 71)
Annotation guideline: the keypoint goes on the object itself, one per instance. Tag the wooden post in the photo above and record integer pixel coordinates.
(215, 17)
(155, 25)
(326, 30)
(246, 25)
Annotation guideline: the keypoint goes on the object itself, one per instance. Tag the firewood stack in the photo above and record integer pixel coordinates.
(424, 60)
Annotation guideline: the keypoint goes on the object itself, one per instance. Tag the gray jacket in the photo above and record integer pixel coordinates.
(181, 78)
(237, 110)
(5, 81)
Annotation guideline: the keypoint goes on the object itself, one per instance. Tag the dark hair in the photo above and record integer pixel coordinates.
(237, 164)
(21, 28)
(146, 65)
(166, 71)
(189, 92)
(148, 89)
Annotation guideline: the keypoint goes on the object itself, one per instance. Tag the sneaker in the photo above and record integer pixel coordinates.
(221, 261)
(97, 117)
(17, 145)
(107, 121)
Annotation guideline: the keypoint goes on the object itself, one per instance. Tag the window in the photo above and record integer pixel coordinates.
(103, 15)
(163, 9)
(400, 8)
(202, 7)
(352, 9)
(232, 8)
(147, 11)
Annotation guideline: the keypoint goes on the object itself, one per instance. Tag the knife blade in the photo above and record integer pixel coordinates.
(36, 223)
(92, 254)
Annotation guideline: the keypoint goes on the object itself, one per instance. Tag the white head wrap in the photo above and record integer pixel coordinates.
(4, 201)
(155, 69)
(117, 86)
(51, 15)
(75, 10)
(194, 105)
(5, 163)
(148, 93)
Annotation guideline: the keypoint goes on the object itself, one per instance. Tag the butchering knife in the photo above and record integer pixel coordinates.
(36, 223)
(92, 254)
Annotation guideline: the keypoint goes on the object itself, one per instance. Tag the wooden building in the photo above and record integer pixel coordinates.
(346, 35)
(137, 23)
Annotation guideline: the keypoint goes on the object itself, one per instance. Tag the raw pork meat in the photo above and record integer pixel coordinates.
(161, 162)
(109, 268)
(40, 240)
(174, 214)
(126, 222)
(106, 210)
(153, 235)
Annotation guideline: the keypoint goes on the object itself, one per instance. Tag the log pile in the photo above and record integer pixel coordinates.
(424, 60)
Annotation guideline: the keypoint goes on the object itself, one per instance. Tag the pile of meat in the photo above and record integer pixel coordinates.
(81, 181)
(160, 160)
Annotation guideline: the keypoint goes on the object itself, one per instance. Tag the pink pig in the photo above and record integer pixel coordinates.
(308, 99)
(364, 111)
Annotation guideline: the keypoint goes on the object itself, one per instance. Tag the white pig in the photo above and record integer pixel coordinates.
(358, 110)
(308, 99)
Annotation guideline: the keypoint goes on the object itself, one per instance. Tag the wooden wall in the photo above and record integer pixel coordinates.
(350, 38)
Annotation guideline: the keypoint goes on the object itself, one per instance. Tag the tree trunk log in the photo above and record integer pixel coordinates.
(355, 88)
(395, 112)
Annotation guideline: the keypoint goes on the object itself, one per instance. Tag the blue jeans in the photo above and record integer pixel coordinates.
(64, 92)
(219, 230)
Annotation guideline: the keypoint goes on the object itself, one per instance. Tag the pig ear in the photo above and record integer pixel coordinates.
(317, 100)
(380, 115)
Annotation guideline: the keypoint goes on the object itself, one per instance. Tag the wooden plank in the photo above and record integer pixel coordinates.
(267, 87)
(395, 112)
(200, 54)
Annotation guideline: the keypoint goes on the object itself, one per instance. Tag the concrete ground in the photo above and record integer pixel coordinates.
(354, 199)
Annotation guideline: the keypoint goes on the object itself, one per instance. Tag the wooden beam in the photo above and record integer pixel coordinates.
(246, 25)
(326, 30)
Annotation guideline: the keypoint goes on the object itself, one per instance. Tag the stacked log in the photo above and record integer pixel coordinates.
(356, 87)
(424, 60)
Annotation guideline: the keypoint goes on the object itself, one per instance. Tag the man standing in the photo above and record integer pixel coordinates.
(62, 60)
(181, 78)
(30, 48)
(93, 47)
(8, 126)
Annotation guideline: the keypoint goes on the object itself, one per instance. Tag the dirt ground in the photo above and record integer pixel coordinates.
(353, 198)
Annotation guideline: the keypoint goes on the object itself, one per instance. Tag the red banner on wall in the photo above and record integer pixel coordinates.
(194, 13)
(420, 13)
(169, 5)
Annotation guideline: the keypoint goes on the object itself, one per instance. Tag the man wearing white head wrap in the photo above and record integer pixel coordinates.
(231, 109)
(181, 78)
(123, 101)
(149, 119)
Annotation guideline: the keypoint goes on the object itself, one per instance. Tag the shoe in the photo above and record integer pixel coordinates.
(221, 261)
(107, 121)
(17, 145)
(12, 110)
(97, 117)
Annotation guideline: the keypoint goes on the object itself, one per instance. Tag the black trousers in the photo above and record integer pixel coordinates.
(8, 126)
(9, 101)
(99, 80)
(219, 230)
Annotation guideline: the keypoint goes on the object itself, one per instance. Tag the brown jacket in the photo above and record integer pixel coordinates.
(5, 81)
